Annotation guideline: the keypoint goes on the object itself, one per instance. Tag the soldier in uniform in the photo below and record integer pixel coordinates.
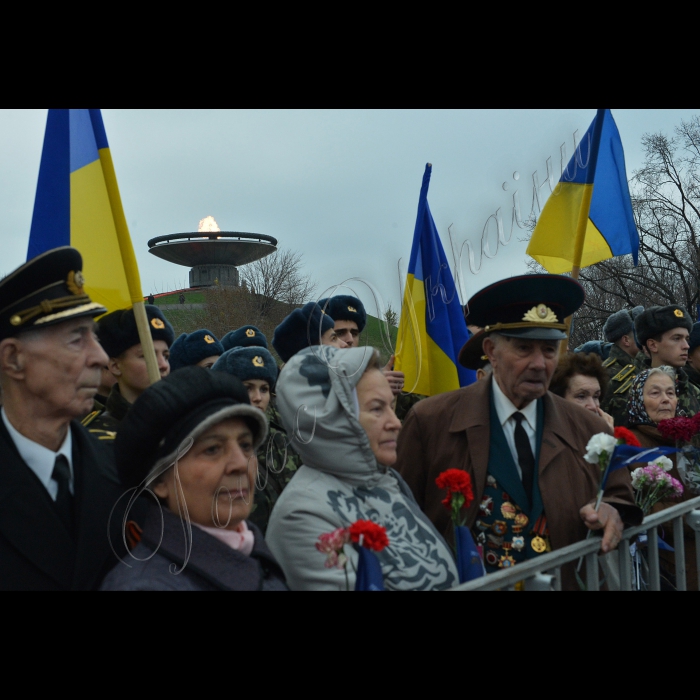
(692, 369)
(522, 446)
(199, 348)
(663, 331)
(277, 459)
(619, 330)
(119, 336)
(58, 486)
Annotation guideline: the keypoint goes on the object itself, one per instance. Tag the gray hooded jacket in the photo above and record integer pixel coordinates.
(341, 482)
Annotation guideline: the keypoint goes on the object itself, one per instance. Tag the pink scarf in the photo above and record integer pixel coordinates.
(241, 539)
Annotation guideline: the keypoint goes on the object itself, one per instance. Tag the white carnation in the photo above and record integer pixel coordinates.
(665, 463)
(637, 477)
(599, 443)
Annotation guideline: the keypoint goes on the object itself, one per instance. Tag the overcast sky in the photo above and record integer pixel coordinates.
(339, 186)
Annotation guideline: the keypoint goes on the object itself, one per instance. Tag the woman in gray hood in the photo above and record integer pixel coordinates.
(337, 407)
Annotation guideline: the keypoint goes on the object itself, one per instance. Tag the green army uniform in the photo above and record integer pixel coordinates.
(277, 463)
(617, 360)
(114, 412)
(693, 375)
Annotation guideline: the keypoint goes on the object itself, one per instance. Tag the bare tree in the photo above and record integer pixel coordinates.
(665, 194)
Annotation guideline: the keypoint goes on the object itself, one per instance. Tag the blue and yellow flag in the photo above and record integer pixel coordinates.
(432, 329)
(78, 204)
(595, 178)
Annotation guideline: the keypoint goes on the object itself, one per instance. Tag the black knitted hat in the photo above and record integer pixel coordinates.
(180, 406)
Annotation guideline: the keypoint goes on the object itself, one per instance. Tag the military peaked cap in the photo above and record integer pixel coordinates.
(526, 306)
(45, 291)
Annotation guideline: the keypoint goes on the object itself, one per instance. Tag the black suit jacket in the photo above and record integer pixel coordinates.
(36, 550)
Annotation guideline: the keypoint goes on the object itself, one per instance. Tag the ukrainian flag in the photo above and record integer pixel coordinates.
(432, 329)
(592, 193)
(78, 204)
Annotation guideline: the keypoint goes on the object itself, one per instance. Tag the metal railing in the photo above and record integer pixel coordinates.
(544, 572)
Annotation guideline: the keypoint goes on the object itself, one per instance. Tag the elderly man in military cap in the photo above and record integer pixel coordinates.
(664, 332)
(57, 484)
(522, 445)
(119, 336)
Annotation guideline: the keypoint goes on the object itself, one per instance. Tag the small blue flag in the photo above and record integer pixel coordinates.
(469, 564)
(369, 572)
(625, 455)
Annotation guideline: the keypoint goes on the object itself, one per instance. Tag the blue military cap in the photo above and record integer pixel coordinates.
(597, 346)
(117, 332)
(248, 363)
(301, 328)
(345, 308)
(244, 337)
(189, 349)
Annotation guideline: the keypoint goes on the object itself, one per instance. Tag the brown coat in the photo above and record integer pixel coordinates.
(451, 430)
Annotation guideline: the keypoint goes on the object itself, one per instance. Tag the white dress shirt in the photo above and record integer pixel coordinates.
(505, 410)
(40, 459)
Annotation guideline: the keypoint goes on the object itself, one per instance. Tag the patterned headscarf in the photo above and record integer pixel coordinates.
(636, 412)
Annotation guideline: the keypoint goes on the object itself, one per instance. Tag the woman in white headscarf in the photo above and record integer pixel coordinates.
(337, 407)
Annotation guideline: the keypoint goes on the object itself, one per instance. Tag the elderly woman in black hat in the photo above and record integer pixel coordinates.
(119, 336)
(277, 459)
(190, 439)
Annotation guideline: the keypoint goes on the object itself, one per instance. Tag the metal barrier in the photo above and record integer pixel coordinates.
(543, 573)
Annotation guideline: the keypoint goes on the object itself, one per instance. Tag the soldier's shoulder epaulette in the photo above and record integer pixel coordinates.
(623, 388)
(102, 434)
(624, 373)
(90, 417)
(609, 362)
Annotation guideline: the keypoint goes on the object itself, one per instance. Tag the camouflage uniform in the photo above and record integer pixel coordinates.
(277, 463)
(617, 360)
(107, 420)
(405, 402)
(615, 402)
(693, 375)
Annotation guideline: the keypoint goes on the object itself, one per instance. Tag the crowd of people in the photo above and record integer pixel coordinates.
(224, 474)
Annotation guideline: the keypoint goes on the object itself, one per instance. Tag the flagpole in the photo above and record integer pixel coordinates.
(585, 210)
(130, 266)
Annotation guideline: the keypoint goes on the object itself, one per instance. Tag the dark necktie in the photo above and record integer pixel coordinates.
(525, 457)
(64, 500)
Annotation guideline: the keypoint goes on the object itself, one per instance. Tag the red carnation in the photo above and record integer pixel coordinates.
(679, 428)
(373, 535)
(456, 481)
(627, 437)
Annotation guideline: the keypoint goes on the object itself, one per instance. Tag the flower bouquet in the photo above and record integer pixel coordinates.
(686, 433)
(653, 483)
(460, 496)
(369, 536)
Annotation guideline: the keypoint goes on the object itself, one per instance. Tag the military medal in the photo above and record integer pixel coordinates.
(508, 511)
(521, 519)
(538, 542)
(494, 542)
(499, 527)
(518, 543)
(517, 529)
(506, 561)
(486, 506)
(491, 558)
